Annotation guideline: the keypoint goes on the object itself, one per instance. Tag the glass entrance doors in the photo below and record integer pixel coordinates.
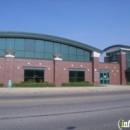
(104, 77)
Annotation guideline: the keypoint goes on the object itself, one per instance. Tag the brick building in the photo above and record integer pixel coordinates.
(45, 58)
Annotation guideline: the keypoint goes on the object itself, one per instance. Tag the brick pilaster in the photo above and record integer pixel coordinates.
(121, 58)
(9, 69)
(107, 59)
(58, 72)
(95, 71)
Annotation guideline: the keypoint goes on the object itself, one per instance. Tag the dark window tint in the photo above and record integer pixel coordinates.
(10, 44)
(49, 47)
(64, 49)
(57, 48)
(39, 46)
(76, 76)
(19, 44)
(72, 50)
(29, 45)
(2, 43)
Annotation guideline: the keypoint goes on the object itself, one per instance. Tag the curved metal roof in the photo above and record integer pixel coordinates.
(48, 38)
(118, 45)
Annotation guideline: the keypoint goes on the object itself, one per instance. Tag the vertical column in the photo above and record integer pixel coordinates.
(9, 67)
(57, 69)
(95, 68)
(121, 58)
(107, 59)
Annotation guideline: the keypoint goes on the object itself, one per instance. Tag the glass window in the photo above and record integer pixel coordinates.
(72, 50)
(48, 56)
(10, 44)
(29, 45)
(57, 48)
(2, 53)
(39, 55)
(19, 54)
(87, 58)
(2, 43)
(39, 46)
(80, 58)
(76, 76)
(34, 75)
(72, 57)
(64, 49)
(80, 52)
(19, 44)
(29, 54)
(49, 47)
(64, 57)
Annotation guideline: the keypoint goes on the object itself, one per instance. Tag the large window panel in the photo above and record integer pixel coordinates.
(80, 58)
(72, 57)
(29, 54)
(39, 55)
(64, 49)
(19, 44)
(48, 56)
(57, 48)
(80, 52)
(34, 75)
(2, 53)
(72, 50)
(65, 57)
(10, 44)
(30, 45)
(2, 43)
(76, 76)
(49, 47)
(39, 46)
(19, 54)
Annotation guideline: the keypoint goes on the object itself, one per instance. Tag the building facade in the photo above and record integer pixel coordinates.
(45, 58)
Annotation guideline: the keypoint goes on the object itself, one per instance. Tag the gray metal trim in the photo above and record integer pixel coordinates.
(33, 68)
(76, 69)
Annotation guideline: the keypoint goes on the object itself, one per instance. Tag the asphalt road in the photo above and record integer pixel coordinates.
(66, 111)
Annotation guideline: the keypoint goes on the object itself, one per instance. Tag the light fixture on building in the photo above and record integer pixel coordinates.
(18, 67)
(49, 68)
(72, 65)
(39, 63)
(81, 65)
(106, 66)
(64, 68)
(28, 62)
(95, 69)
(88, 70)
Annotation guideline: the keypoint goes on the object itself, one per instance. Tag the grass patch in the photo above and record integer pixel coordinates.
(25, 84)
(128, 83)
(76, 84)
(1, 84)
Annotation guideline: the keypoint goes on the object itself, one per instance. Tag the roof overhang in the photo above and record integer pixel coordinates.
(116, 47)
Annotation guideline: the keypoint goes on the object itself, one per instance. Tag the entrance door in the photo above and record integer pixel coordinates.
(104, 77)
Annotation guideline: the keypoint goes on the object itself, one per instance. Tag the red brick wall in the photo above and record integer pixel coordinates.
(107, 59)
(114, 72)
(95, 71)
(12, 68)
(122, 61)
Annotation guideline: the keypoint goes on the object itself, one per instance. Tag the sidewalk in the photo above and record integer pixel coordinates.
(64, 89)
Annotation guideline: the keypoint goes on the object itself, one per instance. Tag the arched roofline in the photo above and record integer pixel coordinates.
(9, 34)
(118, 45)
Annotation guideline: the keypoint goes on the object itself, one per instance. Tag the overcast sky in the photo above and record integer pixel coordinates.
(99, 23)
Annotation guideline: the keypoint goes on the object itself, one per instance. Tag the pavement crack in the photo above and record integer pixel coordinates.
(61, 114)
